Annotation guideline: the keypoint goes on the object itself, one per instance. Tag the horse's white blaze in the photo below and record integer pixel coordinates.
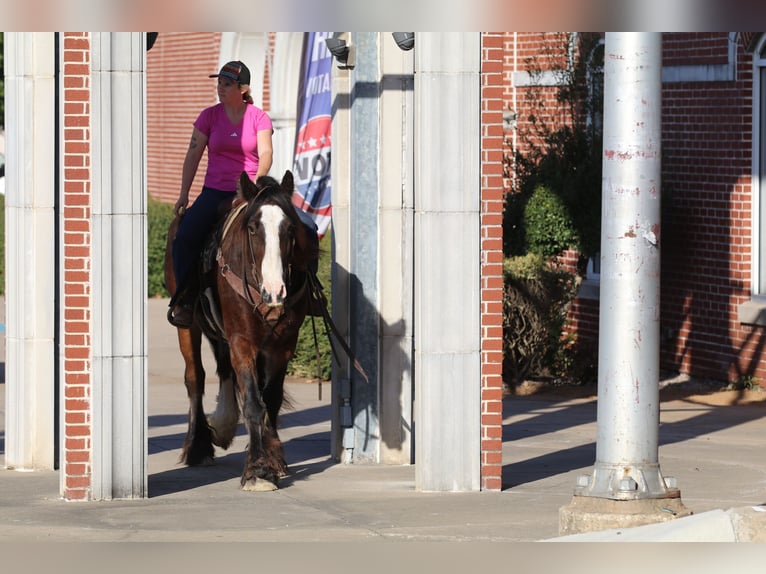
(271, 266)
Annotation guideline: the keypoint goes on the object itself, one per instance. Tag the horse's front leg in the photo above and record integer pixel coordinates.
(262, 470)
(198, 446)
(224, 420)
(273, 397)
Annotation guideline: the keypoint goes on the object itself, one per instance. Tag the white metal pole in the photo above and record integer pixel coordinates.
(627, 464)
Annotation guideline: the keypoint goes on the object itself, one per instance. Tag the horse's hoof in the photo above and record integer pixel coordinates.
(259, 485)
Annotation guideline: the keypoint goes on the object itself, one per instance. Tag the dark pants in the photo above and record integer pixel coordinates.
(198, 221)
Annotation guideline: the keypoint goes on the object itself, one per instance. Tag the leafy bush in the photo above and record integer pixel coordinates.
(159, 216)
(514, 228)
(535, 304)
(304, 363)
(555, 167)
(549, 228)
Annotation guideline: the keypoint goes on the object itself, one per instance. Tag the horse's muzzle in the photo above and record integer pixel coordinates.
(271, 312)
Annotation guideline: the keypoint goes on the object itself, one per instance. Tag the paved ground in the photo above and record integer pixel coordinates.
(715, 452)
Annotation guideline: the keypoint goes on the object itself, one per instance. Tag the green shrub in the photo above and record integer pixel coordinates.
(514, 229)
(159, 216)
(548, 226)
(535, 303)
(304, 363)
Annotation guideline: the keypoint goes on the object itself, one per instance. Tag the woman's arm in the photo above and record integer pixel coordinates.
(191, 163)
(265, 153)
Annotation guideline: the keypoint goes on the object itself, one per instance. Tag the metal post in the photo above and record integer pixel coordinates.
(627, 466)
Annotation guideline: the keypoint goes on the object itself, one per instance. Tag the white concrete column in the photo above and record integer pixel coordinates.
(395, 251)
(119, 241)
(447, 261)
(30, 277)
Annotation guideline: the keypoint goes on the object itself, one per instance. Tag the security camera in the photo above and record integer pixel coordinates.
(405, 40)
(337, 48)
(343, 53)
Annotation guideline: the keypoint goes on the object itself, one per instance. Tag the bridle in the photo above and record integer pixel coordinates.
(240, 284)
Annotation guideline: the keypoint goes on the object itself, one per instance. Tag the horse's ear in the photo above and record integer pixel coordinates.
(287, 182)
(245, 187)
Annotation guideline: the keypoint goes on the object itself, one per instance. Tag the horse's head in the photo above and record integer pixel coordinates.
(275, 235)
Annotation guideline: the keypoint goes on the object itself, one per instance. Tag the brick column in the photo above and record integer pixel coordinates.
(492, 261)
(76, 469)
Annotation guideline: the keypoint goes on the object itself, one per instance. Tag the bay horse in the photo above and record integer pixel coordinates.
(253, 296)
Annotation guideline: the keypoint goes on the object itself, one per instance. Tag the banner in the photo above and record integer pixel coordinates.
(311, 163)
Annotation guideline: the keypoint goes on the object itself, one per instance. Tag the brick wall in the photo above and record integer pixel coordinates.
(76, 316)
(545, 54)
(695, 48)
(706, 217)
(177, 90)
(492, 261)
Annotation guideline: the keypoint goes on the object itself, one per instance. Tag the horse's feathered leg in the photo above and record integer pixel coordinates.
(273, 397)
(262, 468)
(223, 422)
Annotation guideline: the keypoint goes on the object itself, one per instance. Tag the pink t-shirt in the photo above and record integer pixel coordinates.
(231, 149)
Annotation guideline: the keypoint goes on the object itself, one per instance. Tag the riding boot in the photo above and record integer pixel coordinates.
(181, 309)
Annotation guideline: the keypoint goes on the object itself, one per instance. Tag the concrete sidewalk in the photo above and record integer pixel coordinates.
(715, 452)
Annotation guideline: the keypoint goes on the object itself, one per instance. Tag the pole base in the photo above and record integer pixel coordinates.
(588, 514)
(626, 482)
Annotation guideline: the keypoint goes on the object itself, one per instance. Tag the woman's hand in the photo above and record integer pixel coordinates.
(180, 206)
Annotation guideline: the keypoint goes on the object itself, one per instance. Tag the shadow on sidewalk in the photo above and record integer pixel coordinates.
(306, 454)
(529, 417)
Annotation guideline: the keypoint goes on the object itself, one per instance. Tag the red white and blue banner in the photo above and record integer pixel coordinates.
(311, 163)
